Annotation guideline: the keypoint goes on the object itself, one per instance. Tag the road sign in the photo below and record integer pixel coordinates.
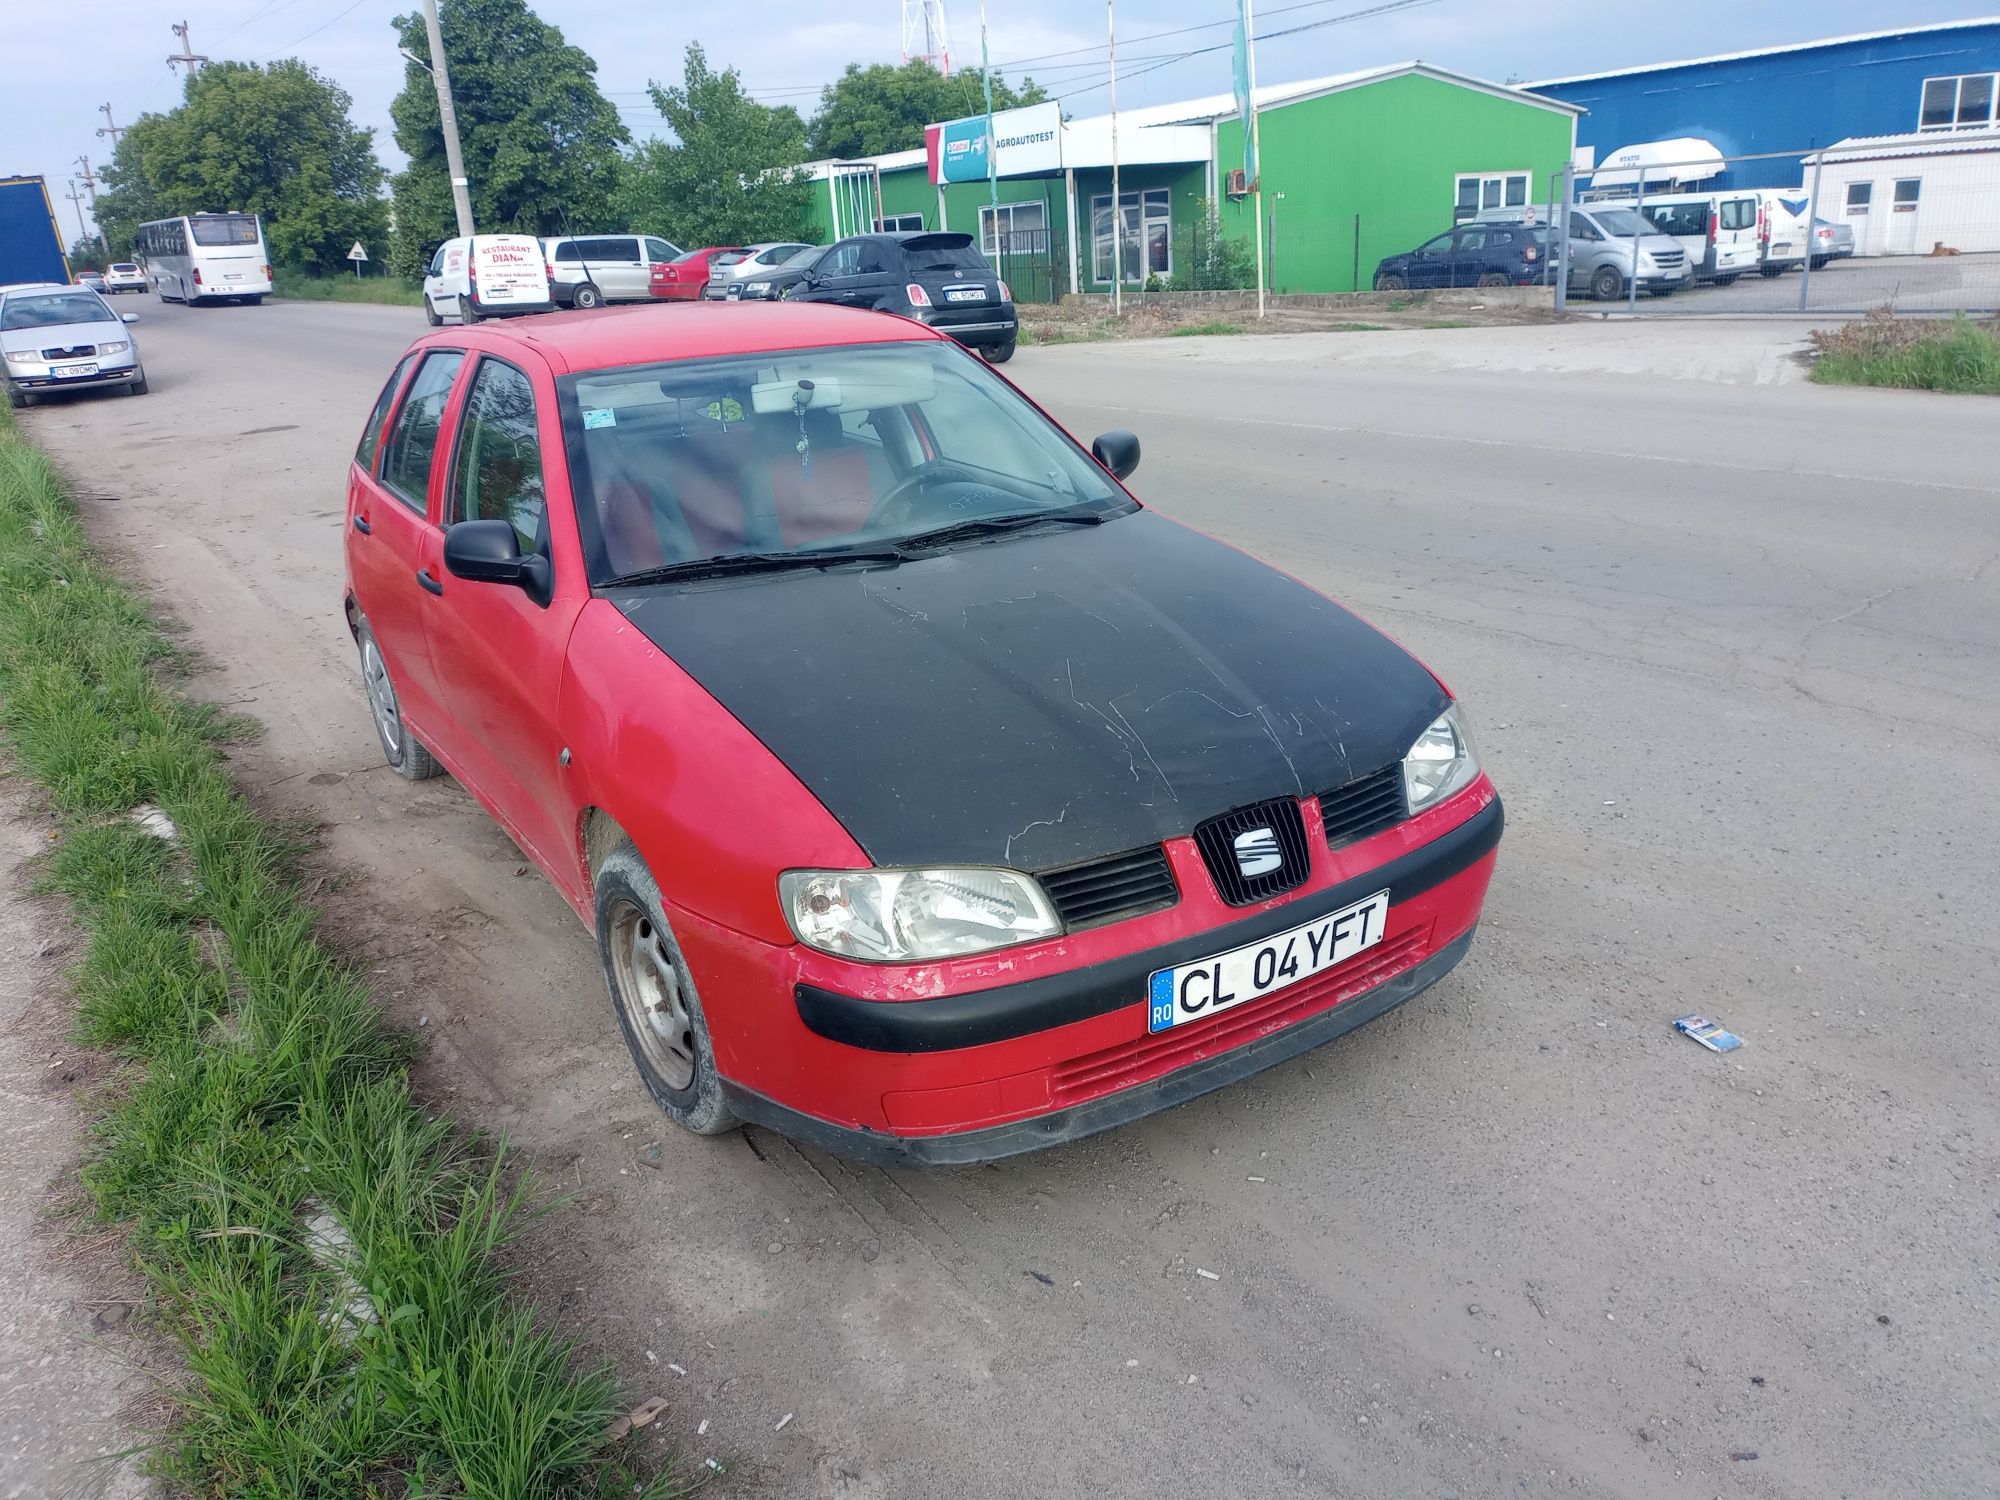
(357, 253)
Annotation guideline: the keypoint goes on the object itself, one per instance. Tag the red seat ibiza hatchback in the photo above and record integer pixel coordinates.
(931, 798)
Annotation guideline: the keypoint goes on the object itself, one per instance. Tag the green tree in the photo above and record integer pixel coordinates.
(730, 175)
(273, 140)
(540, 140)
(883, 107)
(86, 255)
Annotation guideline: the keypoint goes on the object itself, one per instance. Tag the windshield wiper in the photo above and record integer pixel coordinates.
(988, 525)
(750, 562)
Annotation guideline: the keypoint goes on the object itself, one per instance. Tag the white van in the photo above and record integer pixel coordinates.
(1718, 230)
(486, 276)
(1781, 232)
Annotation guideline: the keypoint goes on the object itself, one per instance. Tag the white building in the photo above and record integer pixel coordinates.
(1904, 194)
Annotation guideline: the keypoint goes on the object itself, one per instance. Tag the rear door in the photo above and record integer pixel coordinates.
(498, 651)
(618, 267)
(394, 554)
(509, 273)
(1467, 258)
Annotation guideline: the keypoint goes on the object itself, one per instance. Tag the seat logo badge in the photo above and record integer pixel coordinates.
(1257, 853)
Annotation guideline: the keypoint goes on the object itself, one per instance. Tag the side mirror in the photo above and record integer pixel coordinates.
(1117, 451)
(490, 552)
(128, 317)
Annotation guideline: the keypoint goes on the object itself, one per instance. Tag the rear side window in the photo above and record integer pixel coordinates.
(874, 258)
(1737, 213)
(371, 435)
(1680, 218)
(500, 455)
(413, 442)
(566, 254)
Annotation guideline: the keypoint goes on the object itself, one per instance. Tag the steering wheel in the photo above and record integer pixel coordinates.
(893, 509)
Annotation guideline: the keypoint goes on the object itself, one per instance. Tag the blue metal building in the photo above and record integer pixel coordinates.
(1791, 99)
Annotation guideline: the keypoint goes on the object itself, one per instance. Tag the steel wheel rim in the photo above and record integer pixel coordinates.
(382, 698)
(653, 995)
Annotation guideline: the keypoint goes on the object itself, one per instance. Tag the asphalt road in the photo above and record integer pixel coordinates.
(1938, 286)
(1733, 654)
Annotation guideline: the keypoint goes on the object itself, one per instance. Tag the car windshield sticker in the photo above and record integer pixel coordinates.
(599, 416)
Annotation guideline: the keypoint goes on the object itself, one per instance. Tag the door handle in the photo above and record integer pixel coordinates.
(434, 585)
(361, 525)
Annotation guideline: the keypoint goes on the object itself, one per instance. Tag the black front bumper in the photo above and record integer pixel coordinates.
(1111, 1110)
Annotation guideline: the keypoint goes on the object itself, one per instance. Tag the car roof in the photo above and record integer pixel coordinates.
(604, 339)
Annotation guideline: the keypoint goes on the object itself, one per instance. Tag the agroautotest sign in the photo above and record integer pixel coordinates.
(1024, 142)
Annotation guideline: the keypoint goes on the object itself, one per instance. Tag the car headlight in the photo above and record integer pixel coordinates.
(23, 357)
(1441, 762)
(119, 347)
(904, 916)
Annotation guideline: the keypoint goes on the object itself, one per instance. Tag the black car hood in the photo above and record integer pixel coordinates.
(1046, 697)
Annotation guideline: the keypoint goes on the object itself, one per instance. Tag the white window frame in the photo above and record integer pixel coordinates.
(1499, 179)
(1867, 197)
(990, 227)
(1958, 82)
(1155, 206)
(900, 224)
(1898, 204)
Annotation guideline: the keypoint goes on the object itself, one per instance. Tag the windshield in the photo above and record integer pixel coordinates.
(805, 255)
(811, 452)
(1621, 223)
(225, 229)
(55, 309)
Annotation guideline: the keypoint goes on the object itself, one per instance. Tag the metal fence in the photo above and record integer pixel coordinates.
(1915, 229)
(1033, 263)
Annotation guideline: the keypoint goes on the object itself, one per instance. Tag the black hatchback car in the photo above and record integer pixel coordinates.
(936, 277)
(1471, 255)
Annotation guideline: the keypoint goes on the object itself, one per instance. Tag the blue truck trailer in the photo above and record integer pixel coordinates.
(31, 247)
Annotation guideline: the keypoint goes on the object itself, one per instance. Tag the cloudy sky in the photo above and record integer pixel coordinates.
(64, 57)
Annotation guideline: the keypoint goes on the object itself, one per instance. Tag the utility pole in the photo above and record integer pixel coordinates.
(454, 160)
(89, 180)
(992, 146)
(187, 54)
(82, 229)
(1117, 204)
(110, 126)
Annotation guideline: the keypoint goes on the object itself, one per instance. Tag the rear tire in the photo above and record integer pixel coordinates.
(1391, 284)
(1492, 278)
(587, 296)
(1770, 270)
(1819, 262)
(467, 313)
(1726, 280)
(406, 757)
(999, 354)
(431, 315)
(253, 299)
(654, 996)
(1607, 283)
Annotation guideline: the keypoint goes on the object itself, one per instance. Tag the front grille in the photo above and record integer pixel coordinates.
(81, 351)
(1363, 807)
(1149, 1056)
(1227, 843)
(1112, 888)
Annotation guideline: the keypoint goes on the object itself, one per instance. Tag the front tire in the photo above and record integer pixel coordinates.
(18, 398)
(1493, 278)
(587, 296)
(654, 996)
(1607, 284)
(138, 387)
(406, 757)
(1391, 284)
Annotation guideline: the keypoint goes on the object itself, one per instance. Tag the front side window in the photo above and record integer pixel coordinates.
(500, 455)
(841, 260)
(1859, 196)
(751, 457)
(371, 435)
(1623, 223)
(658, 250)
(406, 469)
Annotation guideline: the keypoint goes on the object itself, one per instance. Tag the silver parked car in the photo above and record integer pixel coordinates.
(65, 338)
(1604, 241)
(1831, 242)
(753, 260)
(587, 270)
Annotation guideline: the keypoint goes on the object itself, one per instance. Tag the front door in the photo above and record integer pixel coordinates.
(1468, 255)
(833, 275)
(396, 559)
(499, 651)
(1905, 235)
(1430, 263)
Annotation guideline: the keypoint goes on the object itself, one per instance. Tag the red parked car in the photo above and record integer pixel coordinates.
(931, 798)
(681, 280)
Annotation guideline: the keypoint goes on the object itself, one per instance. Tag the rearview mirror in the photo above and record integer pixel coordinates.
(1117, 451)
(128, 317)
(490, 552)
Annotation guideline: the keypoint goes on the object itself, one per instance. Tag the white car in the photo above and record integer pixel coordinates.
(124, 276)
(486, 276)
(65, 338)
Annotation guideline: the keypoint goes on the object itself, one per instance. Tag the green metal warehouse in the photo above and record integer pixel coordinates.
(1353, 168)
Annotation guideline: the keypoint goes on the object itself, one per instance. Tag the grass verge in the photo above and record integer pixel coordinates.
(392, 291)
(1204, 330)
(1958, 355)
(325, 1253)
